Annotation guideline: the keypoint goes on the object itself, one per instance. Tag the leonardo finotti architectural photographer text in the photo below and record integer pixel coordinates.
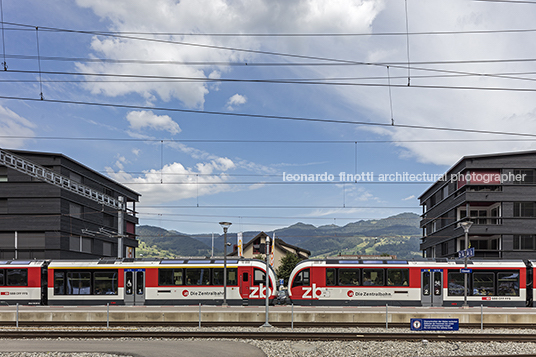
(404, 177)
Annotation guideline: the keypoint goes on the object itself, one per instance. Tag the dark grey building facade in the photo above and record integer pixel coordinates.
(42, 220)
(499, 192)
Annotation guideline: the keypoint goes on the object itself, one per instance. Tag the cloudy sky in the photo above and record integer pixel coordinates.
(212, 109)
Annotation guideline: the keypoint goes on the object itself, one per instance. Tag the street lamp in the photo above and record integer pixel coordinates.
(465, 225)
(267, 282)
(225, 226)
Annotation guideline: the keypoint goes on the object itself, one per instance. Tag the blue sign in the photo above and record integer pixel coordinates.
(281, 281)
(466, 271)
(466, 253)
(435, 324)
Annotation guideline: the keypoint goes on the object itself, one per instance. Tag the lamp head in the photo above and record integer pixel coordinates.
(466, 225)
(225, 225)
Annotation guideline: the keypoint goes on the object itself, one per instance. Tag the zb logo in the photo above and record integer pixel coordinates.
(258, 291)
(311, 292)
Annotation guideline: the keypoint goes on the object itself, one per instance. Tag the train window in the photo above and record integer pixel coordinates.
(483, 284)
(331, 276)
(397, 277)
(456, 284)
(165, 277)
(105, 282)
(79, 283)
(17, 277)
(129, 282)
(259, 277)
(508, 284)
(302, 278)
(349, 277)
(178, 279)
(245, 277)
(426, 283)
(59, 283)
(198, 276)
(232, 276)
(373, 277)
(170, 277)
(139, 282)
(2, 277)
(437, 283)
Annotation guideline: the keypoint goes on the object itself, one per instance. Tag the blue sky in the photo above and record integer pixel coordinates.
(165, 135)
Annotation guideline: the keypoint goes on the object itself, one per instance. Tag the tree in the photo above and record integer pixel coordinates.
(288, 262)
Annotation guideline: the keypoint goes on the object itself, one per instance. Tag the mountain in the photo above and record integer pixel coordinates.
(172, 242)
(398, 235)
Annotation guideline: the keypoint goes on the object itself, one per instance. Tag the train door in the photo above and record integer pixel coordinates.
(134, 286)
(245, 282)
(432, 287)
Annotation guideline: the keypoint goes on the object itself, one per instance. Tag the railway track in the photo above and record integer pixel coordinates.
(270, 335)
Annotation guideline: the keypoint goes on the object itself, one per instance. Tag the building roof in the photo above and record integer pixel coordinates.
(278, 242)
(42, 153)
(481, 156)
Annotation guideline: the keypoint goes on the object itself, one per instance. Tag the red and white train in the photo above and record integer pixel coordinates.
(184, 281)
(344, 282)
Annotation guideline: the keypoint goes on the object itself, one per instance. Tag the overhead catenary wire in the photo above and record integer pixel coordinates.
(28, 27)
(267, 116)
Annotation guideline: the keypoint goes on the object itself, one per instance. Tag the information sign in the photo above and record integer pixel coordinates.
(466, 271)
(470, 252)
(435, 324)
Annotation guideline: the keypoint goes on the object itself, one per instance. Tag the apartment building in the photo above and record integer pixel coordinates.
(497, 193)
(52, 207)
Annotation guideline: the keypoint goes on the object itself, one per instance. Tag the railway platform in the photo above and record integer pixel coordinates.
(251, 315)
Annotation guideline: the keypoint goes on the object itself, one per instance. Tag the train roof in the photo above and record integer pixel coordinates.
(152, 262)
(21, 263)
(414, 263)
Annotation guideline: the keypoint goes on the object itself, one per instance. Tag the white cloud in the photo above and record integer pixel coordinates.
(236, 100)
(493, 110)
(147, 119)
(175, 182)
(409, 198)
(12, 124)
(206, 16)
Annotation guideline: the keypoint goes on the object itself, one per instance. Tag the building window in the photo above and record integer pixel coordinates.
(75, 177)
(75, 210)
(482, 215)
(527, 176)
(524, 209)
(108, 220)
(524, 242)
(444, 248)
(87, 245)
(107, 249)
(74, 243)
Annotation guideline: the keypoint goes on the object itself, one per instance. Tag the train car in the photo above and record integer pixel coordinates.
(183, 281)
(344, 282)
(22, 282)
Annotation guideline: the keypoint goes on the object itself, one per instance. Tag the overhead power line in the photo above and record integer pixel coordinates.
(246, 141)
(267, 116)
(26, 27)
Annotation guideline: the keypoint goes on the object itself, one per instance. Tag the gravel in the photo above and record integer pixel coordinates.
(336, 348)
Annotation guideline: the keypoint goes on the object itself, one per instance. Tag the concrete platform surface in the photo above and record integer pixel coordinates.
(137, 348)
(250, 314)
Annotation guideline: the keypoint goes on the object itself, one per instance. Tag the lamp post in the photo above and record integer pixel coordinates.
(465, 225)
(225, 226)
(267, 282)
